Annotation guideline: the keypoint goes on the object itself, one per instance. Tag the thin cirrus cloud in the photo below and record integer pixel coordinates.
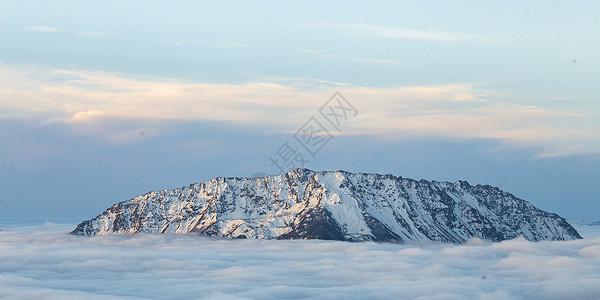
(185, 41)
(91, 34)
(367, 30)
(228, 44)
(446, 111)
(325, 55)
(45, 29)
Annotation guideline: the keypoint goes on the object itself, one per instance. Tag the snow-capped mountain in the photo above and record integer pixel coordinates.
(303, 204)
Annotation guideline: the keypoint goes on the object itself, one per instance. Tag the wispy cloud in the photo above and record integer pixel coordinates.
(365, 30)
(448, 111)
(304, 82)
(177, 42)
(228, 44)
(46, 29)
(91, 34)
(325, 55)
(184, 41)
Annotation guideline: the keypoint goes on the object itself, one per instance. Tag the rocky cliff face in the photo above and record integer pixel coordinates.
(303, 204)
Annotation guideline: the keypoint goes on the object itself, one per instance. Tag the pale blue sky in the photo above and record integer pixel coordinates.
(501, 93)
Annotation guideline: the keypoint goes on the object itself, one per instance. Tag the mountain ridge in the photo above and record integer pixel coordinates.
(337, 205)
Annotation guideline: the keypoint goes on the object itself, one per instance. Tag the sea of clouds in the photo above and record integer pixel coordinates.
(44, 262)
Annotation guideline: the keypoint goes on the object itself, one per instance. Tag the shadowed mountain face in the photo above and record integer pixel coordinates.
(303, 204)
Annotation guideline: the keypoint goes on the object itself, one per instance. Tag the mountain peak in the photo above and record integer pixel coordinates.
(305, 204)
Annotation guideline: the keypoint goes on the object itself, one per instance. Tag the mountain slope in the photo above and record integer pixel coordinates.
(303, 204)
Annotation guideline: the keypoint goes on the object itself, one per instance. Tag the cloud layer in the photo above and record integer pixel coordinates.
(42, 262)
(447, 111)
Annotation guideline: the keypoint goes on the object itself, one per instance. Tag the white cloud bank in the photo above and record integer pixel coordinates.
(43, 262)
(447, 111)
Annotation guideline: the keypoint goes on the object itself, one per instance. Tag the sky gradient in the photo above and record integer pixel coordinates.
(101, 102)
